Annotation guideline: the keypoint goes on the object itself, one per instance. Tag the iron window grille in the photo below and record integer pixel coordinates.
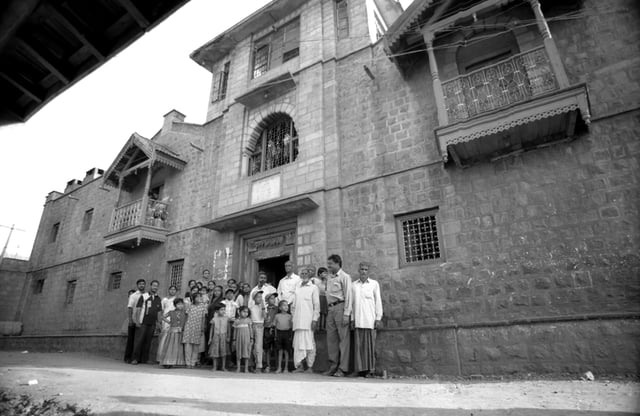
(71, 290)
(276, 48)
(115, 280)
(418, 238)
(276, 146)
(175, 273)
(87, 219)
(342, 18)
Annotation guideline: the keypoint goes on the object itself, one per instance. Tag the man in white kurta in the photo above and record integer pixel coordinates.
(365, 319)
(306, 311)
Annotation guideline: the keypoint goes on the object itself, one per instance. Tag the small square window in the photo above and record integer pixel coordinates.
(71, 290)
(114, 280)
(38, 286)
(418, 239)
(87, 219)
(54, 232)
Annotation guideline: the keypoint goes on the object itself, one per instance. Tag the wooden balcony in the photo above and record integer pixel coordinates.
(507, 108)
(137, 224)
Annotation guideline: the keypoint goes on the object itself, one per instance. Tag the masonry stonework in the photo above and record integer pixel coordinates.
(539, 264)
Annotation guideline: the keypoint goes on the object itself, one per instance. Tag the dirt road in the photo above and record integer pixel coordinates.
(111, 387)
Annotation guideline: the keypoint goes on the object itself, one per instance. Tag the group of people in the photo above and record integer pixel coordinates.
(258, 326)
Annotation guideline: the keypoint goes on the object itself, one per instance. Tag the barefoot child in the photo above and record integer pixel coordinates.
(173, 351)
(284, 324)
(242, 337)
(269, 338)
(219, 338)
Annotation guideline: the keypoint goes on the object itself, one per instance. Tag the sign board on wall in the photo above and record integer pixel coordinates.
(265, 189)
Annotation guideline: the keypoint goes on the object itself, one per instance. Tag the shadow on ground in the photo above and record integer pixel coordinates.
(288, 409)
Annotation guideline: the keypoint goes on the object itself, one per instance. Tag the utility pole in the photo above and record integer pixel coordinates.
(6, 244)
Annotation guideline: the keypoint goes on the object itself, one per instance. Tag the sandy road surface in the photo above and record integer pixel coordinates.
(109, 386)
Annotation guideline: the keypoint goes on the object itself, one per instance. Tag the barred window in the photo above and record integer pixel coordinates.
(276, 146)
(418, 238)
(87, 219)
(71, 290)
(342, 19)
(175, 273)
(115, 279)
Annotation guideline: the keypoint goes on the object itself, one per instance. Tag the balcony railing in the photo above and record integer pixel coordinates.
(513, 80)
(131, 215)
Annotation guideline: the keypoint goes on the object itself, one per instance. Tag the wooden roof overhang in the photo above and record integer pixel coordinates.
(48, 45)
(137, 154)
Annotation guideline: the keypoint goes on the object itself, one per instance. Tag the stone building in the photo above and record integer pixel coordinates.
(482, 156)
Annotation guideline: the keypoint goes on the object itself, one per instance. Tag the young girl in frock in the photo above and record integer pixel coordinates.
(242, 337)
(193, 334)
(173, 350)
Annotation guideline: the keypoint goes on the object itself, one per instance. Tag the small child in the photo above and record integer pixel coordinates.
(219, 338)
(204, 295)
(173, 351)
(231, 310)
(269, 338)
(284, 325)
(243, 338)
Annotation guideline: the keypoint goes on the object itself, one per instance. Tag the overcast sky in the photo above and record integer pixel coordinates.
(87, 125)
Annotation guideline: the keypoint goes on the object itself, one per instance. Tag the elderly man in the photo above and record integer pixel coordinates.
(263, 287)
(306, 310)
(287, 285)
(367, 313)
(338, 317)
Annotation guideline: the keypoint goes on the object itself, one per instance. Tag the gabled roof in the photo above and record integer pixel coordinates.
(408, 23)
(140, 151)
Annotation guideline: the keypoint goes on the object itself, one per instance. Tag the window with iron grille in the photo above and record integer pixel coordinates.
(71, 290)
(342, 19)
(54, 232)
(418, 238)
(175, 273)
(87, 219)
(276, 48)
(276, 146)
(115, 279)
(220, 84)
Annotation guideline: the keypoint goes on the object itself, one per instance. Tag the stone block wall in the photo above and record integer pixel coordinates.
(13, 274)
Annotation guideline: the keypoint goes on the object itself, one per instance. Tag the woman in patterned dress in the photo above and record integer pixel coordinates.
(194, 330)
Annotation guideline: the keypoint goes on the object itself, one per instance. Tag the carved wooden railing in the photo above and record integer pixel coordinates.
(131, 214)
(513, 80)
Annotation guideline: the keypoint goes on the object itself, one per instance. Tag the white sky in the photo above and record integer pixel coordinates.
(87, 125)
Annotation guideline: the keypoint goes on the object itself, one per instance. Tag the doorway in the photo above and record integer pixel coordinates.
(274, 268)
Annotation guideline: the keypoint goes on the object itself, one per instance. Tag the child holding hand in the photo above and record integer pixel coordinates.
(219, 337)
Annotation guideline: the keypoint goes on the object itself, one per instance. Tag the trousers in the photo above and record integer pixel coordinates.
(338, 339)
(258, 332)
(142, 343)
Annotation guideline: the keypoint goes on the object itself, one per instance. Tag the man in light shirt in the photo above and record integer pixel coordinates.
(131, 328)
(287, 285)
(365, 319)
(263, 287)
(338, 317)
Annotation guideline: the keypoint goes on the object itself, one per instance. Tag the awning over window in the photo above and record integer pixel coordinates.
(263, 214)
(138, 153)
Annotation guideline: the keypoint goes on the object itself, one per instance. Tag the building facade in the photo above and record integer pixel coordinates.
(482, 156)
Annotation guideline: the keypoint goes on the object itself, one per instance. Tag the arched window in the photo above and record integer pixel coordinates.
(277, 144)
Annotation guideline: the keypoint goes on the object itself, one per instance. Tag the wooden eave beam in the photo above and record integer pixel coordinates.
(139, 166)
(449, 21)
(77, 33)
(43, 61)
(131, 159)
(142, 21)
(26, 90)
